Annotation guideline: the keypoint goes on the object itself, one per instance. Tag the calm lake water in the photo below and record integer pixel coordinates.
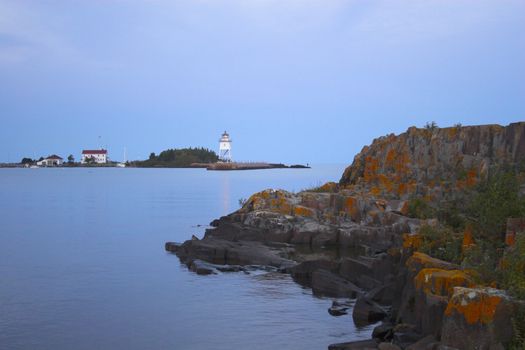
(83, 266)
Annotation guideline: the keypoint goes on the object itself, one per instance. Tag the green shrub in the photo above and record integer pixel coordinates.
(441, 243)
(518, 327)
(495, 200)
(242, 202)
(513, 269)
(418, 208)
(451, 214)
(431, 125)
(483, 258)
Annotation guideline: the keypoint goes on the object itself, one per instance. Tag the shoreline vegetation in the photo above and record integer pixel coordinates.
(172, 158)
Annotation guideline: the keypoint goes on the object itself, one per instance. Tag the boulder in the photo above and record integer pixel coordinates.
(478, 318)
(383, 295)
(302, 272)
(433, 287)
(171, 247)
(388, 346)
(426, 343)
(366, 272)
(223, 252)
(383, 332)
(367, 311)
(355, 345)
(405, 335)
(329, 284)
(419, 261)
(427, 283)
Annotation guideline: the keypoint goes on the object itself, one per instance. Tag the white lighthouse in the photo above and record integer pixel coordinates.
(225, 148)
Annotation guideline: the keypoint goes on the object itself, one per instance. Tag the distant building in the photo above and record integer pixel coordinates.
(225, 148)
(52, 160)
(99, 156)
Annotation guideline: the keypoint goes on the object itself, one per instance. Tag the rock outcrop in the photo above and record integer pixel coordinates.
(424, 302)
(434, 162)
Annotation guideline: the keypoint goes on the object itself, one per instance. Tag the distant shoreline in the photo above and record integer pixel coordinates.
(208, 166)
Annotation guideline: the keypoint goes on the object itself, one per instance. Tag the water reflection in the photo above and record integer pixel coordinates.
(226, 195)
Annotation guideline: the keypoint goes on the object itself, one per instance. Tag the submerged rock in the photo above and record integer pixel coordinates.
(202, 268)
(339, 308)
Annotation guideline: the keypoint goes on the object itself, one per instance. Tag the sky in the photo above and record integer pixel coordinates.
(293, 81)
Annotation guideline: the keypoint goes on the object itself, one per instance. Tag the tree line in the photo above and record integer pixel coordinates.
(183, 157)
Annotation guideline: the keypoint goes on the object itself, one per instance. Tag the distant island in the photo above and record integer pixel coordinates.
(202, 158)
(178, 158)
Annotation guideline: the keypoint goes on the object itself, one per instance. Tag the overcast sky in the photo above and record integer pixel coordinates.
(291, 80)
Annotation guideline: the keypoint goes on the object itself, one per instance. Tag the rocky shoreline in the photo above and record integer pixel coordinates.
(364, 242)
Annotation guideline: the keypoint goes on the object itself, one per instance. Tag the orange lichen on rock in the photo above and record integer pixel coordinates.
(381, 204)
(404, 208)
(475, 305)
(385, 182)
(441, 282)
(452, 132)
(412, 186)
(411, 240)
(276, 201)
(390, 157)
(375, 191)
(401, 164)
(420, 261)
(468, 238)
(299, 210)
(257, 200)
(351, 208)
(328, 187)
(401, 189)
(371, 167)
(472, 178)
(280, 205)
(510, 238)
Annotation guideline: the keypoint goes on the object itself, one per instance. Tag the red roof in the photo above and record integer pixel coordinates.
(97, 151)
(54, 156)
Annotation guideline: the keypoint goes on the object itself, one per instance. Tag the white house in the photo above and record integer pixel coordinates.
(98, 156)
(52, 160)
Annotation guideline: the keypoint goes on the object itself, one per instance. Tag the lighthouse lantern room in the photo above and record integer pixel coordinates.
(225, 148)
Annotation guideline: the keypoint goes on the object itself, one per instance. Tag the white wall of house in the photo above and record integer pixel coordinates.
(98, 158)
(50, 162)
